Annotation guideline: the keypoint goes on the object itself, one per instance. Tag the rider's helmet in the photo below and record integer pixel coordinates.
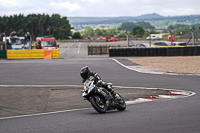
(85, 72)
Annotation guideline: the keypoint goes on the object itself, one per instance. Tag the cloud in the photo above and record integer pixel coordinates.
(9, 4)
(70, 6)
(91, 1)
(100, 7)
(180, 11)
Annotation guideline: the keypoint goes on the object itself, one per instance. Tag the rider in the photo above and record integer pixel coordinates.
(86, 73)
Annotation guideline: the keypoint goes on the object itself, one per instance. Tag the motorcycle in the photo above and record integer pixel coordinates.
(101, 99)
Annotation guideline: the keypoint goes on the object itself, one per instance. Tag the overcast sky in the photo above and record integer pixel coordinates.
(100, 8)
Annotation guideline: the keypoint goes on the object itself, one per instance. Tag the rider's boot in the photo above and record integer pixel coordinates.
(109, 88)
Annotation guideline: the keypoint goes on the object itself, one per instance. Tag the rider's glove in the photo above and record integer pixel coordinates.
(109, 85)
(99, 83)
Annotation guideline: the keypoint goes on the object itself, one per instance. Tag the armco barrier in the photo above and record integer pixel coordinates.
(158, 51)
(31, 54)
(55, 54)
(47, 54)
(3, 54)
(25, 54)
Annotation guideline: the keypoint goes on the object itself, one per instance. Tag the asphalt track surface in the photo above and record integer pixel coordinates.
(180, 115)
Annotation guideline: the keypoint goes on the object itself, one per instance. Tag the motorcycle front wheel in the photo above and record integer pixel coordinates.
(122, 104)
(98, 104)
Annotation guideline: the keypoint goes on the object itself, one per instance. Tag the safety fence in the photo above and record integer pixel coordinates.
(158, 51)
(29, 54)
(99, 50)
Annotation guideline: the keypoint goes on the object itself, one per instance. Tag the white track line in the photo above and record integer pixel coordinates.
(79, 47)
(174, 74)
(66, 48)
(41, 85)
(123, 64)
(21, 116)
(136, 69)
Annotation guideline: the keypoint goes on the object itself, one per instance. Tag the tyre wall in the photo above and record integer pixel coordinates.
(159, 51)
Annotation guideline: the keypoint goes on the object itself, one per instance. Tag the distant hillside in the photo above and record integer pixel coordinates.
(111, 20)
(146, 17)
(156, 20)
(150, 16)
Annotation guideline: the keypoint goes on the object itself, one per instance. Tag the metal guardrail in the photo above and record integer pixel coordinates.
(167, 47)
(28, 54)
(25, 54)
(55, 54)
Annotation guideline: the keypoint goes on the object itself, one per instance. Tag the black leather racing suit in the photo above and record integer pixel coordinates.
(99, 82)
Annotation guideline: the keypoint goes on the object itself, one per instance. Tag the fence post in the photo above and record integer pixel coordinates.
(149, 38)
(100, 50)
(193, 36)
(91, 48)
(127, 38)
(88, 49)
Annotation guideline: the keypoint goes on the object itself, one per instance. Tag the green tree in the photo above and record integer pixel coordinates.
(170, 27)
(21, 32)
(76, 35)
(88, 32)
(181, 31)
(128, 25)
(138, 31)
(145, 25)
(1, 25)
(104, 33)
(122, 34)
(110, 32)
(165, 31)
(98, 32)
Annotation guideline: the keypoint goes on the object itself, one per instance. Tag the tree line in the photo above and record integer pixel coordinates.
(181, 29)
(36, 25)
(138, 29)
(135, 29)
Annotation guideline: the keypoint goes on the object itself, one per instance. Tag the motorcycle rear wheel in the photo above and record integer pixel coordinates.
(98, 104)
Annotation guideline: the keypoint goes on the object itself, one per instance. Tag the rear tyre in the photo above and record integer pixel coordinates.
(98, 104)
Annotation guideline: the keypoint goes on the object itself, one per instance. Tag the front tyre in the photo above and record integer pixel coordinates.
(98, 104)
(122, 104)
